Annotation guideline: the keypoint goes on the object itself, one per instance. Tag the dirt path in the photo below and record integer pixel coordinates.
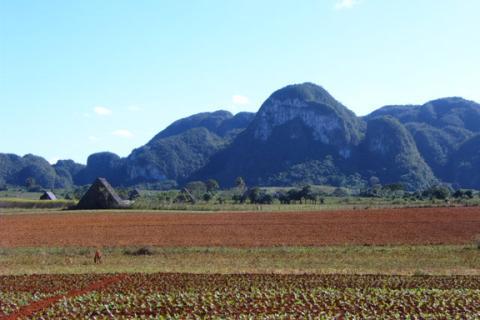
(31, 309)
(242, 229)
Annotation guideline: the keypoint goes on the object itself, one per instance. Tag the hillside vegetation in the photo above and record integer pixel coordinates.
(300, 135)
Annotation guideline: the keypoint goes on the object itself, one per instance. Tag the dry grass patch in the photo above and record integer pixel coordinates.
(406, 260)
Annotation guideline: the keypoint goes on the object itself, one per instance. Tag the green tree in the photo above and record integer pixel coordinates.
(30, 182)
(307, 194)
(469, 194)
(339, 192)
(240, 183)
(294, 195)
(254, 195)
(197, 188)
(265, 198)
(394, 187)
(212, 185)
(207, 197)
(458, 194)
(3, 185)
(31, 185)
(374, 181)
(78, 193)
(441, 193)
(437, 192)
(463, 194)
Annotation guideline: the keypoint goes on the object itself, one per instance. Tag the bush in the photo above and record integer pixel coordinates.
(143, 251)
(196, 188)
(79, 192)
(339, 192)
(181, 198)
(466, 194)
(265, 198)
(207, 197)
(437, 192)
(212, 185)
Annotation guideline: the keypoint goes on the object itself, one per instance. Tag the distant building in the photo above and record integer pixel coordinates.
(48, 195)
(101, 195)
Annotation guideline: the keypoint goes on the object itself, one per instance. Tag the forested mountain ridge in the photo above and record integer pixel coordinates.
(300, 135)
(442, 130)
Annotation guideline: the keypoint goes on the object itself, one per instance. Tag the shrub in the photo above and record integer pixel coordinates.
(143, 251)
(196, 188)
(207, 197)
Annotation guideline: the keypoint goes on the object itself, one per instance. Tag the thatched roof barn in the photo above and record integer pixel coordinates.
(101, 195)
(48, 195)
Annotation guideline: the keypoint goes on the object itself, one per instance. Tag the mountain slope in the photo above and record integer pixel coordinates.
(390, 153)
(440, 113)
(102, 164)
(301, 134)
(173, 154)
(219, 122)
(16, 170)
(295, 124)
(174, 157)
(465, 164)
(67, 171)
(438, 127)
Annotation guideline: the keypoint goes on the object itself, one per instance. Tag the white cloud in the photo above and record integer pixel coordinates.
(240, 100)
(102, 111)
(122, 133)
(92, 138)
(346, 4)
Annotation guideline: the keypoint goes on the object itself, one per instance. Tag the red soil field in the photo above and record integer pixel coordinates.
(242, 229)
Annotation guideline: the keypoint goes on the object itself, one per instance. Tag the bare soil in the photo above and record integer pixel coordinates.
(242, 229)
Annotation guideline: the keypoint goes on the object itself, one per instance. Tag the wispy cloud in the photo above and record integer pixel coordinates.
(123, 133)
(345, 4)
(240, 100)
(102, 111)
(92, 138)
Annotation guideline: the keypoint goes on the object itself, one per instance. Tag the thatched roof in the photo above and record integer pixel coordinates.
(101, 195)
(48, 195)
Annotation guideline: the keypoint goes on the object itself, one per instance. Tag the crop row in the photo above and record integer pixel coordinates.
(19, 291)
(184, 296)
(364, 304)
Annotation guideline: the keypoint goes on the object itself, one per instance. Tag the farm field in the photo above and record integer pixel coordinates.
(240, 296)
(242, 229)
(343, 264)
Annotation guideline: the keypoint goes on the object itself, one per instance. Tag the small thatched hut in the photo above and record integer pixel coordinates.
(101, 195)
(48, 195)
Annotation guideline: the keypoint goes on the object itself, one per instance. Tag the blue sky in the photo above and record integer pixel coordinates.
(78, 77)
